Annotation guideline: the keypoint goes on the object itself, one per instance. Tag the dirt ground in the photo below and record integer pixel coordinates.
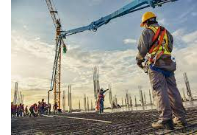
(130, 122)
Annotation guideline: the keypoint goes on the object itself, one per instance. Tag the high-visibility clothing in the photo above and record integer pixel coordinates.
(101, 96)
(160, 44)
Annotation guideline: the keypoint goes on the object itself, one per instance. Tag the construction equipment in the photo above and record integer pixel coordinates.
(133, 6)
(56, 74)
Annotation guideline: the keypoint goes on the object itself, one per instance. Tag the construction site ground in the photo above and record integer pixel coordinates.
(115, 123)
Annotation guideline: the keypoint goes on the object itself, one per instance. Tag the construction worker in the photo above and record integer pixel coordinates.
(33, 110)
(21, 110)
(39, 108)
(55, 107)
(12, 109)
(49, 108)
(18, 110)
(155, 47)
(26, 111)
(43, 106)
(101, 100)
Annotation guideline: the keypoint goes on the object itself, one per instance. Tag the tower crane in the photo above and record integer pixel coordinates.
(56, 74)
(133, 6)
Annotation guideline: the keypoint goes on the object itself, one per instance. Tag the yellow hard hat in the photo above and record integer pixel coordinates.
(147, 16)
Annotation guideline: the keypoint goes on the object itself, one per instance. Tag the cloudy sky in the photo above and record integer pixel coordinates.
(112, 48)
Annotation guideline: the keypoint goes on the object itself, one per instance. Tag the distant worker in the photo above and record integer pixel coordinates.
(55, 106)
(26, 111)
(12, 109)
(155, 46)
(22, 110)
(39, 107)
(43, 106)
(101, 100)
(49, 108)
(33, 110)
(17, 110)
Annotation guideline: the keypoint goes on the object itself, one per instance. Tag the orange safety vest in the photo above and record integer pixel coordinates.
(160, 44)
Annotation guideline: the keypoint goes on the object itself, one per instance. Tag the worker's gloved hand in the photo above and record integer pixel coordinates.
(139, 62)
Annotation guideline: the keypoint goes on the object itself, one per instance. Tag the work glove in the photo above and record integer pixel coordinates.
(139, 62)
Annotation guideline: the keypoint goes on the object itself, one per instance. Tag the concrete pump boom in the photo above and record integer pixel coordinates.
(131, 7)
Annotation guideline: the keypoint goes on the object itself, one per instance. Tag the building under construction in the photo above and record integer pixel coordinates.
(18, 97)
(96, 83)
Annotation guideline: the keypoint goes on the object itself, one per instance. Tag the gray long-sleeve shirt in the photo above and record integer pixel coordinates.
(145, 43)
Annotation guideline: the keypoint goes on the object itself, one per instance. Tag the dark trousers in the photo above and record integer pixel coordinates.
(32, 113)
(101, 106)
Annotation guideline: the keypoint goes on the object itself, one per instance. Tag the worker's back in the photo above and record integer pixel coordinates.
(146, 42)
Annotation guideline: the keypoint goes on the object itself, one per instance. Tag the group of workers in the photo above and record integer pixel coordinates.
(17, 110)
(34, 110)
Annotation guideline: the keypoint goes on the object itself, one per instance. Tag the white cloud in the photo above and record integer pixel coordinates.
(185, 57)
(25, 27)
(32, 66)
(191, 37)
(37, 38)
(178, 33)
(130, 41)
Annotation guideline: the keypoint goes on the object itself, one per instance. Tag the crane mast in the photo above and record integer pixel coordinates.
(56, 74)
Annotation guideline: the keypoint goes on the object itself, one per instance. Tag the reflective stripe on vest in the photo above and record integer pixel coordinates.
(160, 44)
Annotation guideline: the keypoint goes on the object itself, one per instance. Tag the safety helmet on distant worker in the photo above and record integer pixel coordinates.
(146, 16)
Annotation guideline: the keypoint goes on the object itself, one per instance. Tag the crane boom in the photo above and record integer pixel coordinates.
(53, 12)
(131, 7)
